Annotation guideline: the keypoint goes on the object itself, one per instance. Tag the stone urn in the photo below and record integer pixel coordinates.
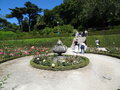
(59, 48)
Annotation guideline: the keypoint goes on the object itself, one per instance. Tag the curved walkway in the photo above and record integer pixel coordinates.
(103, 73)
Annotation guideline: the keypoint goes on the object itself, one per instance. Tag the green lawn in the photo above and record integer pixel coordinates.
(105, 32)
(46, 42)
(105, 40)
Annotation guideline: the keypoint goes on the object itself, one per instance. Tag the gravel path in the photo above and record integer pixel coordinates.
(101, 74)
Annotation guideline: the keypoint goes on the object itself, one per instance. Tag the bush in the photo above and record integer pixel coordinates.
(63, 29)
(81, 28)
(5, 35)
(58, 30)
(47, 31)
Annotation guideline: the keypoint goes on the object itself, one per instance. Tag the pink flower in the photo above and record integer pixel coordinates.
(19, 49)
(26, 53)
(47, 55)
(11, 54)
(46, 48)
(32, 47)
(1, 50)
(43, 50)
(2, 53)
(37, 53)
(15, 50)
(37, 49)
(46, 51)
(8, 50)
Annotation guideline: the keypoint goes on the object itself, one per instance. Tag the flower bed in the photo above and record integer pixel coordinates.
(8, 53)
(48, 62)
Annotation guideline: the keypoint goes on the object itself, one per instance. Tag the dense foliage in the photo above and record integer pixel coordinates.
(81, 14)
(86, 13)
(58, 31)
(7, 26)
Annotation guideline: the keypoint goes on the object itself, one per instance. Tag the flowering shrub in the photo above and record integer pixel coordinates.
(67, 63)
(8, 52)
(51, 61)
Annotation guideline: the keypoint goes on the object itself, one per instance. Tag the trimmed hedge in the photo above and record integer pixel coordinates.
(107, 54)
(9, 59)
(46, 42)
(104, 32)
(62, 68)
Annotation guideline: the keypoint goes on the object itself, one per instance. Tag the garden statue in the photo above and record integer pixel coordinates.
(59, 48)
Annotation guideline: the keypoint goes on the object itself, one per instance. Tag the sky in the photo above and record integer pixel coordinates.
(6, 4)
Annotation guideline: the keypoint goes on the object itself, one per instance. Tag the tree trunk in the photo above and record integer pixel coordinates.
(29, 23)
(21, 25)
(19, 22)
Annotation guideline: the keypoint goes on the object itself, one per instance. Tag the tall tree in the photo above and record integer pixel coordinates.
(3, 23)
(17, 13)
(25, 24)
(31, 10)
(40, 24)
(7, 26)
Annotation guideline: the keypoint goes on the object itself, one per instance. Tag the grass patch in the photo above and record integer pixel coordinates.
(46, 42)
(105, 40)
(9, 35)
(115, 30)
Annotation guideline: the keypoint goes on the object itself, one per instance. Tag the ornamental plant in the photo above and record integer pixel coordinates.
(49, 60)
(8, 52)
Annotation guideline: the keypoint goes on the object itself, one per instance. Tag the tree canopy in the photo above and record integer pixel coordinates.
(78, 13)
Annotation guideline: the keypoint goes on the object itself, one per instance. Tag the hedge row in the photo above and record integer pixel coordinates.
(104, 32)
(46, 42)
(107, 54)
(8, 59)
